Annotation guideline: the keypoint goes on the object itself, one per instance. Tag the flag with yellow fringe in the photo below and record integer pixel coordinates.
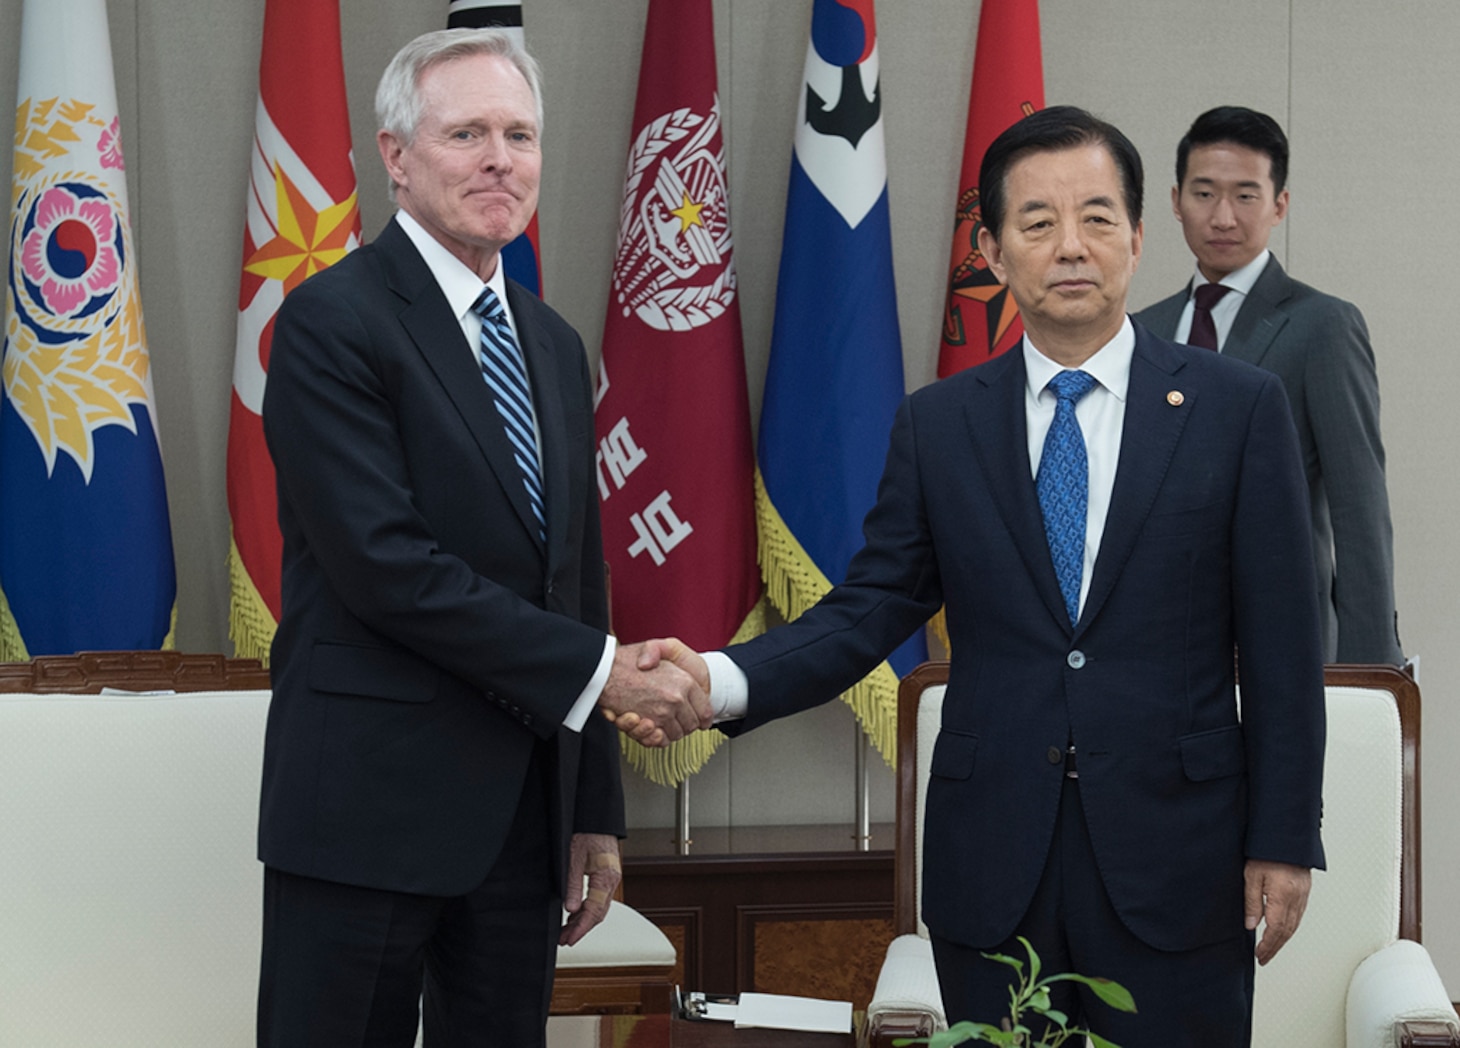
(672, 410)
(835, 374)
(301, 217)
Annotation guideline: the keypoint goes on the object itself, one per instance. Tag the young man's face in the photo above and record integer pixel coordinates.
(1227, 206)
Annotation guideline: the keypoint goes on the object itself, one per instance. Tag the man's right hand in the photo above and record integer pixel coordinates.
(658, 704)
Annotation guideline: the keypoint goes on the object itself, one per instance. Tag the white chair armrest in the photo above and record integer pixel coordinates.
(1397, 983)
(624, 938)
(908, 981)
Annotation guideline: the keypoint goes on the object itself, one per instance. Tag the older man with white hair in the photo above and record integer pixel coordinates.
(436, 786)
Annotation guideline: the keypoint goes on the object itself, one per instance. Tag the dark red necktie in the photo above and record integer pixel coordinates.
(1203, 328)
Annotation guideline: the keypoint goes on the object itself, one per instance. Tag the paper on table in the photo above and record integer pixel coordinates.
(780, 1012)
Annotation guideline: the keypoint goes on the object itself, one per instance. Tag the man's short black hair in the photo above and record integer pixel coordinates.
(1049, 130)
(1239, 126)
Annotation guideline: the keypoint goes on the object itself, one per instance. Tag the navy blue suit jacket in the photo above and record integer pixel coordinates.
(429, 639)
(1205, 549)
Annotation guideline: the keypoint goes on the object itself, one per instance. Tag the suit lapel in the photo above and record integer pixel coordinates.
(1164, 316)
(1152, 427)
(999, 433)
(428, 321)
(1261, 316)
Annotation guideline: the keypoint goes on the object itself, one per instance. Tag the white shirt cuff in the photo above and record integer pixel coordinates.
(578, 715)
(729, 690)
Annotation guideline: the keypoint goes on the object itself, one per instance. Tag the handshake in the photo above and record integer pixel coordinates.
(658, 691)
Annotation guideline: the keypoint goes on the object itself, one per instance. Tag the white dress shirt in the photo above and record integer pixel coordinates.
(1224, 313)
(462, 287)
(1101, 414)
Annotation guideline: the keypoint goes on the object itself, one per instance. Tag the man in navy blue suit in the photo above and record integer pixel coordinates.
(1093, 787)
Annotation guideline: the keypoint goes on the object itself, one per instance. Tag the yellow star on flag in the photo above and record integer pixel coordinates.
(307, 240)
(688, 214)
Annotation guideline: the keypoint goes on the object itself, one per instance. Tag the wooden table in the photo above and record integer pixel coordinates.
(664, 1031)
(706, 1034)
(762, 908)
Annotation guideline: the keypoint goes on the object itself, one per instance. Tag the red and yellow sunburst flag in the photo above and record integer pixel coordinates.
(302, 217)
(980, 320)
(85, 545)
(675, 471)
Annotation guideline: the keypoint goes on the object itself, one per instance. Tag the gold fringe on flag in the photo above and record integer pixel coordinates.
(12, 646)
(251, 625)
(670, 765)
(938, 627)
(793, 584)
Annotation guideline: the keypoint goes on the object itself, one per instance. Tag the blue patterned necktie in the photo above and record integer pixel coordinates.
(506, 374)
(1063, 485)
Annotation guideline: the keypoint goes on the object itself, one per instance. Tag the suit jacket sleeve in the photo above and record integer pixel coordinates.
(892, 588)
(416, 552)
(1342, 387)
(1275, 624)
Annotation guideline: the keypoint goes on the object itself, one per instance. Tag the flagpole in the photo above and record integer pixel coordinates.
(863, 836)
(682, 839)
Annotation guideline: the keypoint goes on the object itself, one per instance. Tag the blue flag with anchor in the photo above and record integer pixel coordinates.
(835, 374)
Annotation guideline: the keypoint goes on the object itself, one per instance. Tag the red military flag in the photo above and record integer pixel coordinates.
(302, 216)
(980, 320)
(673, 419)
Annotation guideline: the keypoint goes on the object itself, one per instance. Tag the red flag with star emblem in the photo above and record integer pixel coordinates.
(980, 320)
(674, 455)
(301, 217)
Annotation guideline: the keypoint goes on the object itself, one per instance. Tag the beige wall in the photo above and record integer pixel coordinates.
(1367, 97)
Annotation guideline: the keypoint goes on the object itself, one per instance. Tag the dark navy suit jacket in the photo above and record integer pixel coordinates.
(429, 639)
(1205, 550)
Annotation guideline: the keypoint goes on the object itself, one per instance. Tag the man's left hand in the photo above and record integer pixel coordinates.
(594, 854)
(1276, 895)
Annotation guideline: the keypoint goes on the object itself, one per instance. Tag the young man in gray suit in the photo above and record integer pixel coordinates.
(1230, 194)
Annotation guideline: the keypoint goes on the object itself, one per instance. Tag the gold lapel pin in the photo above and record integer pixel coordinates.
(1174, 398)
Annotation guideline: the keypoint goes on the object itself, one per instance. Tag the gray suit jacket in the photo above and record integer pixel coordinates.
(1319, 346)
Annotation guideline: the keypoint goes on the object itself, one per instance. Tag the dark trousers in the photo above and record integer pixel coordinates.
(1198, 998)
(349, 967)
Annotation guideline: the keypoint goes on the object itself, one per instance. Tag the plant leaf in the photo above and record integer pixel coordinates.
(1096, 1041)
(1017, 965)
(1033, 959)
(1108, 990)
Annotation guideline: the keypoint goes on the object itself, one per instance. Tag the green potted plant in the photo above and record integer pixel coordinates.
(1031, 996)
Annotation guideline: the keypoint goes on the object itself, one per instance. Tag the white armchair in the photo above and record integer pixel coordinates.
(130, 893)
(1355, 974)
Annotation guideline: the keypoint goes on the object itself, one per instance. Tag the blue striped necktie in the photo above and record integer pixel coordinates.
(1063, 486)
(506, 374)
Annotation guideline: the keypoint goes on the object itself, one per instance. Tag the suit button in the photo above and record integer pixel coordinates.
(1076, 660)
(1055, 755)
(550, 587)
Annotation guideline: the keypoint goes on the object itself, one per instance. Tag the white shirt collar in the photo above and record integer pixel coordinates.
(1239, 280)
(1110, 365)
(457, 281)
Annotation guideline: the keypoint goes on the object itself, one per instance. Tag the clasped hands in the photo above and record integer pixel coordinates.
(657, 691)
